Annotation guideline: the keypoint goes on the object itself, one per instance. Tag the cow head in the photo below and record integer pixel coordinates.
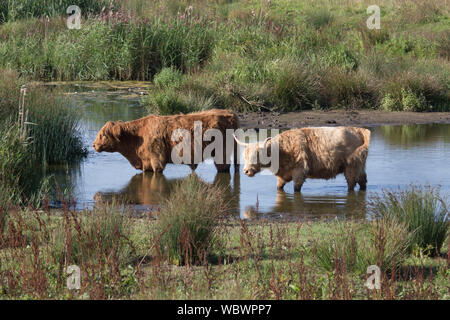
(108, 138)
(252, 156)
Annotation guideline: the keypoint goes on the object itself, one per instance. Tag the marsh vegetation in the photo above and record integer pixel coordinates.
(188, 254)
(246, 56)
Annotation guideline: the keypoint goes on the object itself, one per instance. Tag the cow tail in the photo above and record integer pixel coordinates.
(360, 154)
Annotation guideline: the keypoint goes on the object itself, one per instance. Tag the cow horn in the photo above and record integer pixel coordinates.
(239, 142)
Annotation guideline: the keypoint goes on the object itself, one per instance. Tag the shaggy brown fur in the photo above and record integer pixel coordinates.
(146, 142)
(317, 153)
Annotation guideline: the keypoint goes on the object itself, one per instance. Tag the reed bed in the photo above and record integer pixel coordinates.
(11, 10)
(43, 131)
(269, 55)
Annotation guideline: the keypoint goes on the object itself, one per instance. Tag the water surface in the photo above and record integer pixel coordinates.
(398, 156)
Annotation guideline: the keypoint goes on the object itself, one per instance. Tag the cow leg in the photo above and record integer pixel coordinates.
(193, 166)
(280, 183)
(235, 156)
(362, 181)
(225, 165)
(157, 165)
(298, 176)
(351, 177)
(147, 166)
(222, 167)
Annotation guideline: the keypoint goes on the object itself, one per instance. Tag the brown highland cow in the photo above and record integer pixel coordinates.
(147, 142)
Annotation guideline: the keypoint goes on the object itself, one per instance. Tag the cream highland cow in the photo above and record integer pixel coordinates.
(316, 153)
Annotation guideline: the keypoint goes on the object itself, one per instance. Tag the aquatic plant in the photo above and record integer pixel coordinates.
(53, 133)
(47, 133)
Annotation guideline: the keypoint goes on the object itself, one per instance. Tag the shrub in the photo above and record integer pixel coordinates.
(168, 78)
(355, 246)
(295, 88)
(341, 88)
(421, 210)
(414, 91)
(408, 101)
(165, 102)
(189, 221)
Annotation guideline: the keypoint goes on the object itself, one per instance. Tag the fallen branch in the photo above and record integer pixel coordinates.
(250, 103)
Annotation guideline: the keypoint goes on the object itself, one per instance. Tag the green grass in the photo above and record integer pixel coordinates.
(36, 248)
(187, 227)
(55, 136)
(105, 48)
(11, 10)
(14, 164)
(121, 257)
(266, 260)
(277, 55)
(103, 234)
(166, 96)
(51, 136)
(355, 246)
(422, 210)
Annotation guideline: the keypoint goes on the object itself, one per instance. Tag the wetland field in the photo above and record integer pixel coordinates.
(180, 234)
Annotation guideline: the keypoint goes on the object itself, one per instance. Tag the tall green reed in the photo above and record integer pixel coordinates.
(11, 10)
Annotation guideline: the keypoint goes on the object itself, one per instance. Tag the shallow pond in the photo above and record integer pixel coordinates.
(398, 156)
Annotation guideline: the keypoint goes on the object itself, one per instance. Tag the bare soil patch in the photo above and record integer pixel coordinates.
(339, 118)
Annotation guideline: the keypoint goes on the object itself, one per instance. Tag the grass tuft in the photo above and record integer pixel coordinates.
(355, 246)
(422, 210)
(188, 224)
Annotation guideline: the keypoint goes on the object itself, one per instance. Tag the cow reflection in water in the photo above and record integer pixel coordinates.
(148, 188)
(353, 204)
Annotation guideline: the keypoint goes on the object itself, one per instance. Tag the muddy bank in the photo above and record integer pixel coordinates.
(339, 118)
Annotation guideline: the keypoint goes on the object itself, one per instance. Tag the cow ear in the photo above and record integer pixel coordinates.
(117, 131)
